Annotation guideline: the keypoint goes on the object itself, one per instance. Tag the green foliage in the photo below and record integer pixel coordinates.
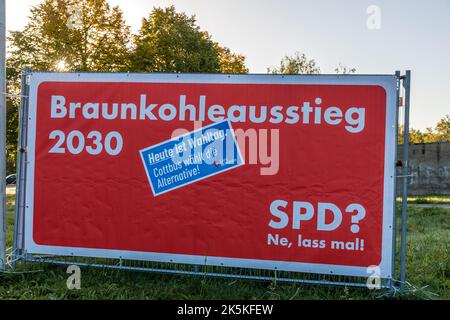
(89, 35)
(230, 62)
(343, 69)
(12, 117)
(12, 124)
(441, 133)
(63, 35)
(428, 270)
(443, 129)
(297, 64)
(86, 35)
(300, 64)
(169, 41)
(172, 42)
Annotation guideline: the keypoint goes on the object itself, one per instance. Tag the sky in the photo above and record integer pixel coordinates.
(375, 37)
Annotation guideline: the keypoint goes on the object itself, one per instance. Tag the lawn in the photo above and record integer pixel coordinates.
(428, 272)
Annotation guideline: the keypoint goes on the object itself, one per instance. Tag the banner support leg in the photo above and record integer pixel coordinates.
(406, 85)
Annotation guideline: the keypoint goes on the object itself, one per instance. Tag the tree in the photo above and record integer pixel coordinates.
(81, 35)
(169, 41)
(12, 120)
(429, 135)
(230, 62)
(89, 35)
(343, 69)
(441, 133)
(443, 129)
(300, 64)
(416, 136)
(297, 64)
(172, 42)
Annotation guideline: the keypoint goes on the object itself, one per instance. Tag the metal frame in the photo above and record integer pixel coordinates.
(203, 270)
(407, 87)
(21, 170)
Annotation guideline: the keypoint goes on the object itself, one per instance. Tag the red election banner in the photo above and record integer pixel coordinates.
(313, 191)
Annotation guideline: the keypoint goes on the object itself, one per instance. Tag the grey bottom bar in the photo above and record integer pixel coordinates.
(50, 260)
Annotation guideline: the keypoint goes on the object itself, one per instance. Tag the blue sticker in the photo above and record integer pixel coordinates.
(192, 157)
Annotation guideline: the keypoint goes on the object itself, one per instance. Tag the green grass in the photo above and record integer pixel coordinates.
(427, 200)
(428, 270)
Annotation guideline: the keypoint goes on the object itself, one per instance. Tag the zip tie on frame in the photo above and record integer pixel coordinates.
(409, 289)
(9, 257)
(9, 261)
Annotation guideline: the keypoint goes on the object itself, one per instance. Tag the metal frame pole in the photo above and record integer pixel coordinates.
(21, 172)
(2, 135)
(394, 220)
(407, 86)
